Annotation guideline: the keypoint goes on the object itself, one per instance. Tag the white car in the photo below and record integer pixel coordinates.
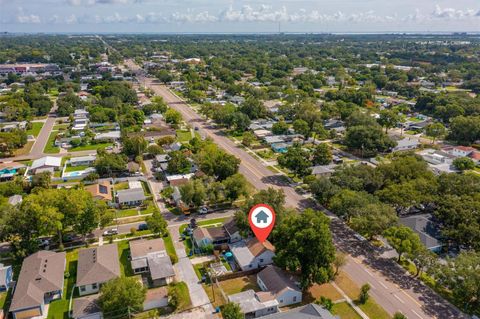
(203, 210)
(110, 232)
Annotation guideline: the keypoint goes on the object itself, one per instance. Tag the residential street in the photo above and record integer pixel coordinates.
(392, 288)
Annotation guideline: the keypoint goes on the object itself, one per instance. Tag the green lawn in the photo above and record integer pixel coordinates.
(180, 289)
(126, 212)
(59, 308)
(124, 252)
(169, 246)
(76, 168)
(183, 136)
(90, 147)
(120, 186)
(345, 311)
(35, 130)
(61, 127)
(3, 298)
(373, 310)
(50, 148)
(236, 285)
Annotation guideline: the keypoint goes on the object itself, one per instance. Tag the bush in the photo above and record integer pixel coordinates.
(133, 231)
(173, 258)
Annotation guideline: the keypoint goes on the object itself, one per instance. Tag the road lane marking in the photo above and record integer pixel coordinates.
(383, 285)
(371, 285)
(413, 299)
(368, 272)
(416, 313)
(399, 299)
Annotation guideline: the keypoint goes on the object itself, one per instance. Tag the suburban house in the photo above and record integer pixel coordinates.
(310, 311)
(111, 136)
(130, 197)
(96, 266)
(465, 151)
(252, 254)
(46, 164)
(150, 256)
(203, 236)
(101, 191)
(255, 304)
(82, 160)
(227, 233)
(282, 286)
(406, 144)
(323, 170)
(40, 281)
(6, 275)
(232, 230)
(86, 308)
(426, 228)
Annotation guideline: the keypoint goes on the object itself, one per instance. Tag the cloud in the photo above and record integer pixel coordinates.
(25, 18)
(94, 2)
(451, 13)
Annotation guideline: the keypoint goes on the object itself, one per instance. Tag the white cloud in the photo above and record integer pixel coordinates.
(26, 18)
(94, 2)
(451, 13)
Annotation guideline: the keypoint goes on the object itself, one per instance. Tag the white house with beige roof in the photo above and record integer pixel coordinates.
(252, 254)
(280, 285)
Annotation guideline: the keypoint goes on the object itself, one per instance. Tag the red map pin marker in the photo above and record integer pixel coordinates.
(262, 220)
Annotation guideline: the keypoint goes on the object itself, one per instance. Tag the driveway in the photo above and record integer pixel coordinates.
(185, 272)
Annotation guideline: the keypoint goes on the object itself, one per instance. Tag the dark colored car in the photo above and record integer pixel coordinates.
(143, 226)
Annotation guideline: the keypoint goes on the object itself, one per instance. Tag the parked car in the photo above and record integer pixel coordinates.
(142, 226)
(203, 210)
(43, 242)
(110, 232)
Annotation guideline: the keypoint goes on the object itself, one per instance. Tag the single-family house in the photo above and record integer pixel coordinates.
(46, 164)
(426, 228)
(96, 266)
(111, 136)
(283, 287)
(323, 170)
(82, 160)
(252, 254)
(150, 256)
(6, 276)
(131, 197)
(406, 144)
(8, 170)
(176, 146)
(232, 230)
(203, 236)
(40, 281)
(255, 304)
(274, 139)
(418, 126)
(310, 311)
(87, 307)
(101, 191)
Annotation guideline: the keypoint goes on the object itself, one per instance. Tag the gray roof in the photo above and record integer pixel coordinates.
(143, 247)
(276, 280)
(41, 272)
(85, 306)
(97, 264)
(323, 169)
(3, 274)
(131, 195)
(162, 158)
(426, 229)
(15, 199)
(248, 301)
(310, 311)
(88, 158)
(160, 265)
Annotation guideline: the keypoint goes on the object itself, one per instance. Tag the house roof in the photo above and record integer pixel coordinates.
(160, 265)
(231, 226)
(130, 195)
(276, 280)
(97, 264)
(103, 190)
(41, 272)
(212, 233)
(88, 158)
(323, 169)
(249, 301)
(47, 161)
(310, 311)
(426, 229)
(85, 306)
(143, 247)
(134, 184)
(257, 248)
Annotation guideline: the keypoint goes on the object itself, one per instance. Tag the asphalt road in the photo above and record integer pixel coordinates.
(392, 287)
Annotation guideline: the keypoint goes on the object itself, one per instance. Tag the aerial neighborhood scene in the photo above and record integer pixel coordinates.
(232, 159)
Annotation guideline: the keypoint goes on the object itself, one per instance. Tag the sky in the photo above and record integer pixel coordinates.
(239, 16)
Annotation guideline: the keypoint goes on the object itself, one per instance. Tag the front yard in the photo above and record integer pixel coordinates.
(35, 129)
(59, 308)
